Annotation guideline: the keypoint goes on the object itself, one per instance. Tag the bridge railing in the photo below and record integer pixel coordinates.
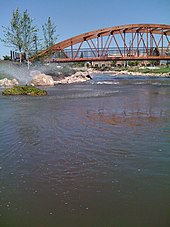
(111, 52)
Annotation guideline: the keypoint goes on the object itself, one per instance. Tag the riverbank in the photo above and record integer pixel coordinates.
(53, 74)
(80, 76)
(135, 71)
(126, 72)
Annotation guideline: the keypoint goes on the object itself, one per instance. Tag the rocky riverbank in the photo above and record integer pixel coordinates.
(77, 77)
(42, 79)
(140, 73)
(8, 83)
(127, 72)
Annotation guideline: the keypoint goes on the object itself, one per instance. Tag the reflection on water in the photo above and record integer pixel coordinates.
(91, 154)
(130, 119)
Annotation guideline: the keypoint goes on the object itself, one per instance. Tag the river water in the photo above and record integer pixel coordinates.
(91, 154)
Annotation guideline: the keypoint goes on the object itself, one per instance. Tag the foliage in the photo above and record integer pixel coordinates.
(113, 63)
(78, 64)
(49, 30)
(154, 62)
(21, 32)
(132, 63)
(6, 58)
(12, 34)
(28, 32)
(24, 90)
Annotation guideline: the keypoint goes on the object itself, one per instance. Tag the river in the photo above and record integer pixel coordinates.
(95, 154)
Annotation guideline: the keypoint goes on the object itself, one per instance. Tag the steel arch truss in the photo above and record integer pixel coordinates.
(127, 42)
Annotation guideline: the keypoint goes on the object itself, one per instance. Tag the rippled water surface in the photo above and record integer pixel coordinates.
(92, 154)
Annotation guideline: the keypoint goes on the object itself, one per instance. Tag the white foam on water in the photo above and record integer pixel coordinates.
(107, 82)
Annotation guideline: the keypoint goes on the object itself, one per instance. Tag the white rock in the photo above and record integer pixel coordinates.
(75, 78)
(8, 83)
(42, 79)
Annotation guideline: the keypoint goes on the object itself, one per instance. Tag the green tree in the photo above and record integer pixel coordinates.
(49, 30)
(29, 32)
(21, 32)
(12, 34)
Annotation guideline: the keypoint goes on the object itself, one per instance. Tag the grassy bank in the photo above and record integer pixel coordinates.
(151, 70)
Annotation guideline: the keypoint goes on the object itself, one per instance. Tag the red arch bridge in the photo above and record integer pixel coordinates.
(127, 42)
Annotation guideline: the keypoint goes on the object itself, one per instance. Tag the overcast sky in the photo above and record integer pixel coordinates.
(73, 17)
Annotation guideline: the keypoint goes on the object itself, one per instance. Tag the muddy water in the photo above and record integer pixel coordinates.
(93, 154)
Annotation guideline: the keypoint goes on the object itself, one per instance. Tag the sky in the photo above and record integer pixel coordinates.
(74, 17)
